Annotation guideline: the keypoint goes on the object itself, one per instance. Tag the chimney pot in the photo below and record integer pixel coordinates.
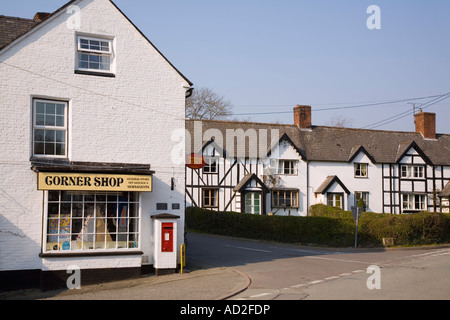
(426, 124)
(302, 116)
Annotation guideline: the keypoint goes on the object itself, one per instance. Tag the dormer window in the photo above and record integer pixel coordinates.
(95, 56)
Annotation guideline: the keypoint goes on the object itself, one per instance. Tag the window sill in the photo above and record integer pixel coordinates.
(94, 73)
(89, 254)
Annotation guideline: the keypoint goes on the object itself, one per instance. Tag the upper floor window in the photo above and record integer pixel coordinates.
(408, 171)
(210, 166)
(361, 170)
(288, 167)
(95, 54)
(49, 128)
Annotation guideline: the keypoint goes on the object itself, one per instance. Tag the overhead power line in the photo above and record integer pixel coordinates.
(340, 108)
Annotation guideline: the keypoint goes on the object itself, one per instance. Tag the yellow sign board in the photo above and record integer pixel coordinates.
(94, 182)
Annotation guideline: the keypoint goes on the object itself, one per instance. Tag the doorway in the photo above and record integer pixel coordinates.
(253, 203)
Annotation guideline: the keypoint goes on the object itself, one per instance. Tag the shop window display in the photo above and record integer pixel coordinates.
(92, 221)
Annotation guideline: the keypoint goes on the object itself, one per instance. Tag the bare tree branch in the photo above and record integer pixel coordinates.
(205, 104)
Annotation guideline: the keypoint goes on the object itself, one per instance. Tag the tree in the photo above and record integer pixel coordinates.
(340, 122)
(205, 104)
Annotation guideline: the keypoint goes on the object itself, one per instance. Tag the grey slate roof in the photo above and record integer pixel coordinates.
(446, 191)
(12, 28)
(334, 144)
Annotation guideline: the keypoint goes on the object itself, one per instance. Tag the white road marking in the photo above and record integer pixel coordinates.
(245, 248)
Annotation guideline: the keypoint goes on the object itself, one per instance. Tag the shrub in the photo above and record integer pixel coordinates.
(327, 226)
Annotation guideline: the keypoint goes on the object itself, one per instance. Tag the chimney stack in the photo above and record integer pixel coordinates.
(302, 116)
(41, 16)
(426, 124)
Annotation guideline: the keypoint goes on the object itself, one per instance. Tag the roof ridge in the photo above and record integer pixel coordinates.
(245, 122)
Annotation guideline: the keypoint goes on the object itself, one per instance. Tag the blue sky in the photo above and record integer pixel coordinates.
(267, 56)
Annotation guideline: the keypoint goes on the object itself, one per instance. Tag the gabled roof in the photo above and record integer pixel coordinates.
(356, 150)
(329, 181)
(403, 149)
(446, 191)
(246, 180)
(333, 144)
(13, 28)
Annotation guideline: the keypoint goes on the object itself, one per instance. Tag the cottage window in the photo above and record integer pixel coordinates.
(95, 55)
(210, 198)
(288, 167)
(361, 170)
(408, 171)
(414, 202)
(285, 199)
(83, 221)
(335, 200)
(362, 195)
(210, 166)
(49, 128)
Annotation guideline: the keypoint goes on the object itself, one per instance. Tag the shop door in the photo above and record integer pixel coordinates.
(253, 203)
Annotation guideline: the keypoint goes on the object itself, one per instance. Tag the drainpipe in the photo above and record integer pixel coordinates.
(307, 188)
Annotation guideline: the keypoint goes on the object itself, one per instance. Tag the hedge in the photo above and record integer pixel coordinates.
(326, 226)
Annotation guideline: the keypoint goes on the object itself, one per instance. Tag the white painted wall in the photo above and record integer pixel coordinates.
(126, 119)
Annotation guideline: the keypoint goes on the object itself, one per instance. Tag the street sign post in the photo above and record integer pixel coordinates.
(356, 211)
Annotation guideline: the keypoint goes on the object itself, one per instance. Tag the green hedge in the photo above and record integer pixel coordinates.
(326, 226)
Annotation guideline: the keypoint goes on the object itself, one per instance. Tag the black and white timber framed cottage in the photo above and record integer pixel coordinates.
(280, 169)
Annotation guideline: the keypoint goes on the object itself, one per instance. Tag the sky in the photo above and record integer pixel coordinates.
(267, 56)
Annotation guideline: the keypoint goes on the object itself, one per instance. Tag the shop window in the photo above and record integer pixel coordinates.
(49, 128)
(80, 221)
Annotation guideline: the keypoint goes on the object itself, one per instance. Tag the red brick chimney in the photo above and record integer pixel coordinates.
(302, 116)
(426, 124)
(41, 16)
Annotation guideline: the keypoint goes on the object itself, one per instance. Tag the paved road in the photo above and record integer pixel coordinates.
(285, 272)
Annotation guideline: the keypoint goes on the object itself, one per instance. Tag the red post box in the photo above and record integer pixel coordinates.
(167, 237)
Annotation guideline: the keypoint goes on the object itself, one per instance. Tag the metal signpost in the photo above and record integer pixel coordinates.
(356, 211)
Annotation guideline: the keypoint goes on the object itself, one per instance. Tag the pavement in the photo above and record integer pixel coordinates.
(197, 282)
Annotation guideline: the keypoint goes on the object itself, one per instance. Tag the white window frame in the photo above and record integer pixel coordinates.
(110, 54)
(285, 198)
(409, 202)
(412, 171)
(63, 237)
(359, 170)
(211, 165)
(364, 195)
(331, 199)
(278, 166)
(50, 128)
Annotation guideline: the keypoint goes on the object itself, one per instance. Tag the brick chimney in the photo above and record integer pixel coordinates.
(302, 116)
(41, 16)
(426, 124)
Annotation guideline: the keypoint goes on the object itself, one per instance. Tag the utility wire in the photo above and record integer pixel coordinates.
(93, 92)
(339, 108)
(407, 113)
